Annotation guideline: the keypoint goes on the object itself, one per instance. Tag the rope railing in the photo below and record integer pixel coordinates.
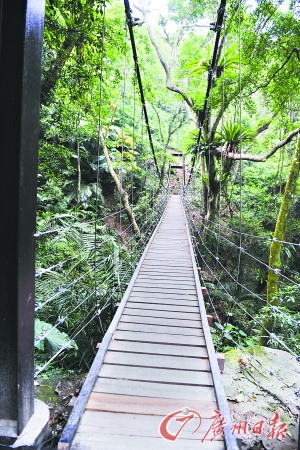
(239, 345)
(109, 289)
(272, 336)
(255, 236)
(242, 249)
(227, 335)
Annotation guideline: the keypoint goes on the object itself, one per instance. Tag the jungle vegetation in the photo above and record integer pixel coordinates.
(92, 123)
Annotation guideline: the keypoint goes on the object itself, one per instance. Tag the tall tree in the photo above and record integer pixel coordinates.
(246, 72)
(278, 237)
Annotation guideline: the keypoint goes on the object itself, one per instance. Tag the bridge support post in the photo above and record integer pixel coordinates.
(21, 33)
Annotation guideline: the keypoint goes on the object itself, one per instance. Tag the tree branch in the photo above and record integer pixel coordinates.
(163, 61)
(173, 127)
(276, 72)
(159, 124)
(259, 158)
(121, 191)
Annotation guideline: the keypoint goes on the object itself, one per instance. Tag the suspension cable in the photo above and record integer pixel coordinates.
(130, 24)
(210, 78)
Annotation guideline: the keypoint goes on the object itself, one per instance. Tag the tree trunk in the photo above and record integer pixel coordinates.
(54, 72)
(123, 194)
(214, 187)
(276, 245)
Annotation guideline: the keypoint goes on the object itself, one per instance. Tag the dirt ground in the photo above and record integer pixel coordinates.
(57, 394)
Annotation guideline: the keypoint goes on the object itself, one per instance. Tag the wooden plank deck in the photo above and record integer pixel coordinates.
(157, 360)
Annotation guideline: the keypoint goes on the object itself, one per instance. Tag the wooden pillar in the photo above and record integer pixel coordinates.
(21, 32)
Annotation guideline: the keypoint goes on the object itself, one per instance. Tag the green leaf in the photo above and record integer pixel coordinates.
(44, 332)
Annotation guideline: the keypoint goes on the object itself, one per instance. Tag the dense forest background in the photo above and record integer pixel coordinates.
(91, 119)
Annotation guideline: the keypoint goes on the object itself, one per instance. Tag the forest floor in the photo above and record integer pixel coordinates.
(59, 395)
(118, 222)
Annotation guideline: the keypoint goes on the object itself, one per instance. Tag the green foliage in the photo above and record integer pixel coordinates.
(46, 334)
(229, 337)
(69, 263)
(284, 326)
(70, 191)
(235, 133)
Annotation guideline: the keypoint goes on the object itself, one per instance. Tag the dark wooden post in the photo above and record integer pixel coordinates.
(21, 32)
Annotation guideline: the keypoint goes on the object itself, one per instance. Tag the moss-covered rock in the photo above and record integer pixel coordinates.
(258, 382)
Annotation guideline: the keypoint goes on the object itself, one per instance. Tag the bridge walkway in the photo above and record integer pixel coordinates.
(157, 357)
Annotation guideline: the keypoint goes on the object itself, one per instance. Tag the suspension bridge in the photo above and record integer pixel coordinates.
(157, 356)
(155, 381)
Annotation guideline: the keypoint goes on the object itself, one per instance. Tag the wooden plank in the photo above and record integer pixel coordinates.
(167, 282)
(140, 425)
(171, 275)
(184, 254)
(159, 250)
(174, 223)
(175, 251)
(166, 314)
(132, 304)
(171, 226)
(167, 267)
(172, 264)
(169, 262)
(173, 241)
(162, 300)
(154, 374)
(159, 329)
(160, 286)
(170, 272)
(147, 389)
(87, 441)
(172, 261)
(158, 349)
(149, 280)
(161, 321)
(158, 338)
(161, 361)
(187, 273)
(171, 285)
(166, 276)
(181, 237)
(177, 261)
(160, 297)
(100, 401)
(170, 234)
(162, 248)
(164, 295)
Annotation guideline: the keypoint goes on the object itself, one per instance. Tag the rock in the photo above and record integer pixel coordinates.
(254, 384)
